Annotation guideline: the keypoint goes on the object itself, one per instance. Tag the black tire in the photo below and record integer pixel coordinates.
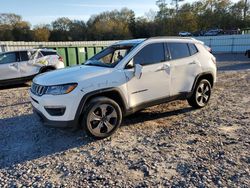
(201, 94)
(47, 70)
(101, 117)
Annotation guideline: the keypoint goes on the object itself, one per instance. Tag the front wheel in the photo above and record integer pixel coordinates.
(102, 117)
(201, 94)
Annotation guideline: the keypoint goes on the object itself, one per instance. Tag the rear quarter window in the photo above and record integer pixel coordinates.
(178, 50)
(193, 49)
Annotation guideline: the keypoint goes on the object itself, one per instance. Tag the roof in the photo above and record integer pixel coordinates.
(34, 49)
(171, 38)
(130, 42)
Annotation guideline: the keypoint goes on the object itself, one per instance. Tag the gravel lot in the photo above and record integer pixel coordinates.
(170, 145)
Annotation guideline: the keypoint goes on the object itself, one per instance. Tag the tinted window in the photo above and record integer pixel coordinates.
(8, 58)
(46, 53)
(24, 56)
(153, 53)
(178, 50)
(110, 56)
(39, 55)
(193, 49)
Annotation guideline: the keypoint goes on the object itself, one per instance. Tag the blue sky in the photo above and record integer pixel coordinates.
(45, 11)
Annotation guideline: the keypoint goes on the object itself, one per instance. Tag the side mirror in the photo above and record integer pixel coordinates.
(138, 71)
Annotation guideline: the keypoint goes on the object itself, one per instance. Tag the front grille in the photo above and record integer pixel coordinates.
(38, 89)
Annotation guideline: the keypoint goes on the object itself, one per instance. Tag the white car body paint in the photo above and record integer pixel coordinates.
(161, 80)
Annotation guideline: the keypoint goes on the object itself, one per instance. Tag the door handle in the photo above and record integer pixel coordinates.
(13, 65)
(160, 69)
(193, 63)
(163, 68)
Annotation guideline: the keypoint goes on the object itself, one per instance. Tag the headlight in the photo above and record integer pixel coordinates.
(60, 89)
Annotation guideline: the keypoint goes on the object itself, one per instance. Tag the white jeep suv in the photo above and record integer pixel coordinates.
(122, 79)
(21, 66)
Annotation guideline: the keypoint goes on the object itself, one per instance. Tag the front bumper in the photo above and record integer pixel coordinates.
(65, 120)
(55, 124)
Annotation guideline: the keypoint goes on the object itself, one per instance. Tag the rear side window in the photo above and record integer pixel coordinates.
(151, 54)
(178, 50)
(193, 49)
(8, 58)
(24, 56)
(47, 53)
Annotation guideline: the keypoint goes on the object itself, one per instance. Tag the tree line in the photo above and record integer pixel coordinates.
(198, 16)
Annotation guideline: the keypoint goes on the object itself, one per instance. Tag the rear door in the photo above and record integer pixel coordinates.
(27, 66)
(184, 66)
(9, 67)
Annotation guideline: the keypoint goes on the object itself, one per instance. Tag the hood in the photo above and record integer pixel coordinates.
(70, 75)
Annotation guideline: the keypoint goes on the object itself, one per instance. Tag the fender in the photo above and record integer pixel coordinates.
(196, 80)
(106, 91)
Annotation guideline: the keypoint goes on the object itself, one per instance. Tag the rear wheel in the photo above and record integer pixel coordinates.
(201, 95)
(102, 117)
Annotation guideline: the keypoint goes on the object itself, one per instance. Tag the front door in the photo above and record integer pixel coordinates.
(9, 67)
(154, 82)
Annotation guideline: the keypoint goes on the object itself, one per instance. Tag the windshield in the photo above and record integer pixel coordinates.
(110, 57)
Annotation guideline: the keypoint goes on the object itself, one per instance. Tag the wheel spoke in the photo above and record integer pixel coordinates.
(205, 97)
(94, 117)
(202, 87)
(113, 114)
(97, 129)
(206, 89)
(104, 109)
(199, 94)
(200, 99)
(109, 126)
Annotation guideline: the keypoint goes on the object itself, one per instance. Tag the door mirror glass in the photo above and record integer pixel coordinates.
(138, 71)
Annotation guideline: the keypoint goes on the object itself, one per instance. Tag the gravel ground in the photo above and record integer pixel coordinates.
(170, 145)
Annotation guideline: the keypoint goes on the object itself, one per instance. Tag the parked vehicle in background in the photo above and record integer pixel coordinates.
(184, 34)
(214, 32)
(21, 66)
(122, 79)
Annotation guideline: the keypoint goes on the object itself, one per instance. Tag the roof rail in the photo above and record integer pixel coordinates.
(171, 37)
(174, 37)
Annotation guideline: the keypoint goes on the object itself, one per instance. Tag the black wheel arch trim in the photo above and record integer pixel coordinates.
(87, 96)
(197, 78)
(46, 67)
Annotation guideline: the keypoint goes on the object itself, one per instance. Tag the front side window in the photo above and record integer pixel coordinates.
(8, 58)
(151, 54)
(109, 57)
(178, 50)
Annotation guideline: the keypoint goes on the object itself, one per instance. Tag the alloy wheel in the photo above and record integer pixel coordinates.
(102, 119)
(203, 94)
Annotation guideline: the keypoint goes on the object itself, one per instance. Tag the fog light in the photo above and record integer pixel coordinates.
(55, 111)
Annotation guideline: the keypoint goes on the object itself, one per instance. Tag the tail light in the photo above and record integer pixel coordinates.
(60, 58)
(208, 48)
